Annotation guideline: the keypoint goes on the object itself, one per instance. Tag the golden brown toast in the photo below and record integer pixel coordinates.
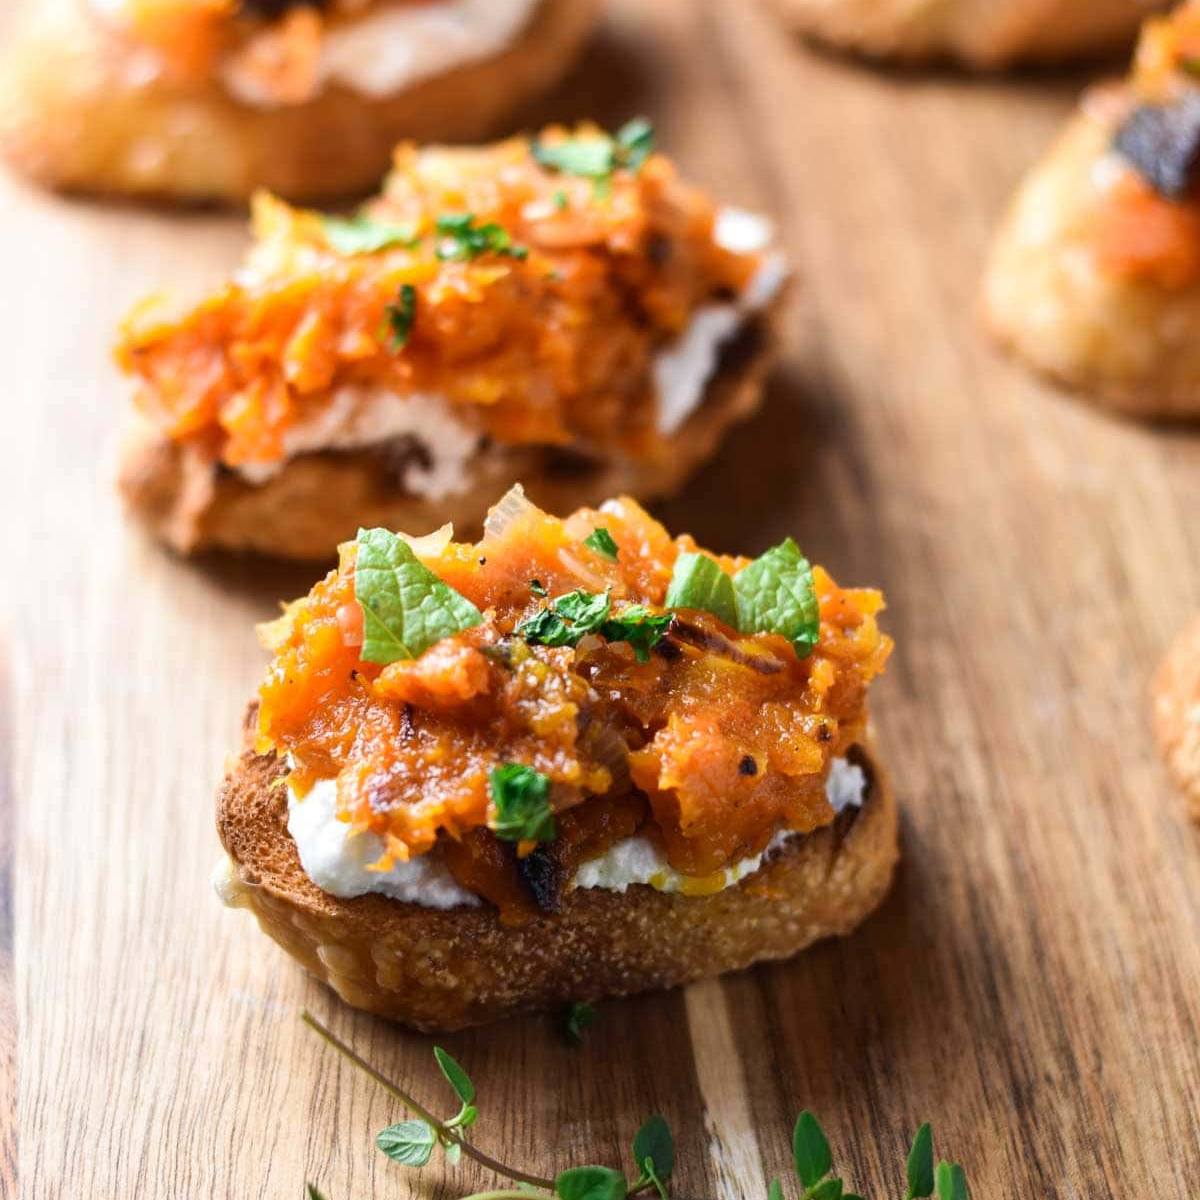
(79, 112)
(1176, 695)
(445, 970)
(980, 33)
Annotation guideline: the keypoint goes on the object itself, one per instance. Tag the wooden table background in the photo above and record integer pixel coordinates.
(1032, 986)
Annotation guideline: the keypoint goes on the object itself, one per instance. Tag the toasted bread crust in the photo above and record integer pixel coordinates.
(444, 970)
(1176, 697)
(1131, 346)
(319, 500)
(78, 113)
(980, 33)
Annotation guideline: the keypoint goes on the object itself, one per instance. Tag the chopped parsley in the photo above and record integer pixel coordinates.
(597, 156)
(401, 314)
(461, 240)
(602, 542)
(521, 797)
(578, 1017)
(406, 607)
(568, 619)
(361, 234)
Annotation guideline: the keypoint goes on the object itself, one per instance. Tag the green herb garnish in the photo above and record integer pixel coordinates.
(602, 542)
(638, 626)
(698, 582)
(521, 797)
(461, 240)
(413, 1142)
(775, 594)
(597, 156)
(401, 314)
(362, 234)
(579, 1016)
(560, 200)
(568, 619)
(406, 607)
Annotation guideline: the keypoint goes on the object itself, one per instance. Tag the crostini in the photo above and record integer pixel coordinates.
(563, 310)
(580, 758)
(1095, 275)
(984, 34)
(210, 99)
(1176, 697)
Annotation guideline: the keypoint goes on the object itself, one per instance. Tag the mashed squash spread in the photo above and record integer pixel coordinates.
(528, 286)
(671, 723)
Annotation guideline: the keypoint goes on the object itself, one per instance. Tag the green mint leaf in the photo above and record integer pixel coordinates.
(590, 1183)
(591, 157)
(314, 1192)
(521, 796)
(635, 140)
(638, 626)
(602, 542)
(409, 1143)
(775, 594)
(458, 1079)
(567, 619)
(831, 1189)
(461, 240)
(406, 607)
(920, 1164)
(578, 1017)
(400, 316)
(810, 1150)
(654, 1141)
(775, 1191)
(698, 582)
(951, 1182)
(453, 1153)
(362, 234)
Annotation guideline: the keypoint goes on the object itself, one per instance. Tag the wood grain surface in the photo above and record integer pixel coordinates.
(1032, 986)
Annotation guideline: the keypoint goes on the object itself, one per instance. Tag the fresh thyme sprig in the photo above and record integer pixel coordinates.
(412, 1143)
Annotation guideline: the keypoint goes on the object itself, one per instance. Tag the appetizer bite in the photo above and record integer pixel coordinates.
(979, 33)
(210, 99)
(1095, 275)
(563, 310)
(581, 758)
(1176, 696)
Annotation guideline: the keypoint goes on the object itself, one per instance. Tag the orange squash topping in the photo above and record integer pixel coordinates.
(710, 745)
(530, 298)
(1144, 237)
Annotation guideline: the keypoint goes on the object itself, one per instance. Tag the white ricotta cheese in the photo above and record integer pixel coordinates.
(358, 417)
(683, 370)
(339, 861)
(638, 860)
(397, 46)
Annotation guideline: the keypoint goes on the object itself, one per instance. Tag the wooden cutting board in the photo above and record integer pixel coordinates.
(1032, 986)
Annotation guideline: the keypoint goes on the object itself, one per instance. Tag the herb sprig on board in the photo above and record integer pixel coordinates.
(412, 1143)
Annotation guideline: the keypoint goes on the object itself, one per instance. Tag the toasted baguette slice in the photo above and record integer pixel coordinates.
(446, 970)
(980, 33)
(80, 111)
(1132, 346)
(318, 500)
(1176, 695)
